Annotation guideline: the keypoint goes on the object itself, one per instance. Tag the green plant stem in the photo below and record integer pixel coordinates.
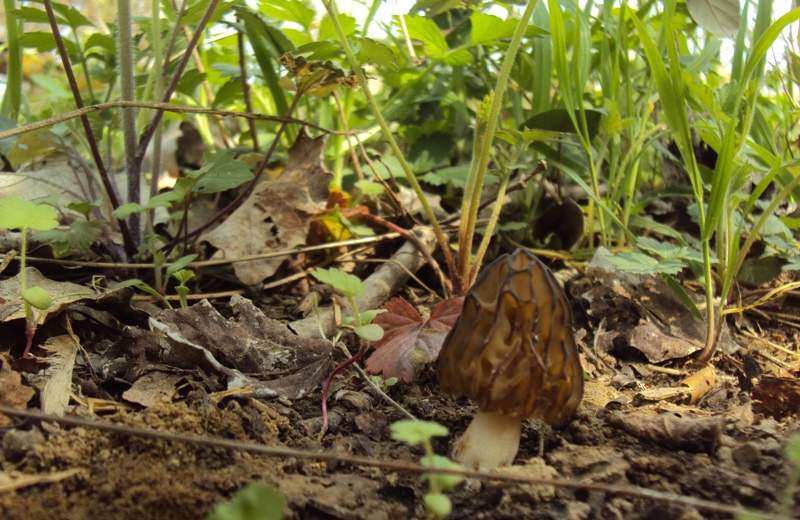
(12, 99)
(472, 198)
(330, 6)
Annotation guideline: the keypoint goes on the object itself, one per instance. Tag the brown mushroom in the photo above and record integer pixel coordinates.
(512, 351)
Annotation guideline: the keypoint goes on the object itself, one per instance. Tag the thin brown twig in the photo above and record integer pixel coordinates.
(281, 451)
(166, 107)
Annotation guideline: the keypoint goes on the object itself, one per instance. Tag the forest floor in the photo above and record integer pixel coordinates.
(631, 451)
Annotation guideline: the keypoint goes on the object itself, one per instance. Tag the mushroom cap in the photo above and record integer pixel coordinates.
(512, 349)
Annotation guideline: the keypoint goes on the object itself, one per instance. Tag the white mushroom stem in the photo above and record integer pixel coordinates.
(491, 440)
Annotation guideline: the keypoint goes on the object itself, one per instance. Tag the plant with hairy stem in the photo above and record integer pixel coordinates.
(463, 273)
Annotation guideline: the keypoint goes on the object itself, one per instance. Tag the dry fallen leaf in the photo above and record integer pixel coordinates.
(250, 349)
(12, 392)
(672, 430)
(409, 342)
(277, 215)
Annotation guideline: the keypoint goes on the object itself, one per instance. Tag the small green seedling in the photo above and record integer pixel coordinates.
(351, 287)
(437, 504)
(183, 276)
(16, 213)
(256, 501)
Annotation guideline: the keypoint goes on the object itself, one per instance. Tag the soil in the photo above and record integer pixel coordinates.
(726, 450)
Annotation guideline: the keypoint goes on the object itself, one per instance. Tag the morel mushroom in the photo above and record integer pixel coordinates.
(512, 351)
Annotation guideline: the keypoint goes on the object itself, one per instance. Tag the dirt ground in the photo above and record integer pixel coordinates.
(727, 449)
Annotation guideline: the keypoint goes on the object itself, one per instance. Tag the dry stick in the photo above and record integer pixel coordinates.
(280, 451)
(207, 263)
(130, 244)
(383, 395)
(166, 107)
(248, 103)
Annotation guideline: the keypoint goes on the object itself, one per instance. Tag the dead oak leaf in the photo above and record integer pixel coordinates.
(409, 342)
(277, 215)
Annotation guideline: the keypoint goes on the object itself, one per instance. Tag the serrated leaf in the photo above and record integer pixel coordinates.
(417, 432)
(71, 15)
(720, 17)
(639, 263)
(37, 297)
(221, 172)
(345, 283)
(127, 210)
(409, 342)
(369, 332)
(376, 53)
(80, 237)
(488, 28)
(16, 213)
(662, 249)
(426, 31)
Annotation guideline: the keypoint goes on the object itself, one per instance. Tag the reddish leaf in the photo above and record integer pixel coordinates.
(444, 314)
(408, 342)
(400, 318)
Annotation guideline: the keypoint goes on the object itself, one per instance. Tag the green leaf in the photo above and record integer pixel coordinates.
(445, 481)
(328, 32)
(369, 332)
(376, 53)
(288, 10)
(183, 276)
(426, 31)
(37, 297)
(720, 17)
(662, 249)
(368, 316)
(345, 283)
(221, 172)
(487, 28)
(41, 41)
(80, 237)
(640, 263)
(71, 15)
(127, 210)
(16, 213)
(180, 263)
(458, 57)
(256, 501)
(369, 188)
(438, 504)
(416, 432)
